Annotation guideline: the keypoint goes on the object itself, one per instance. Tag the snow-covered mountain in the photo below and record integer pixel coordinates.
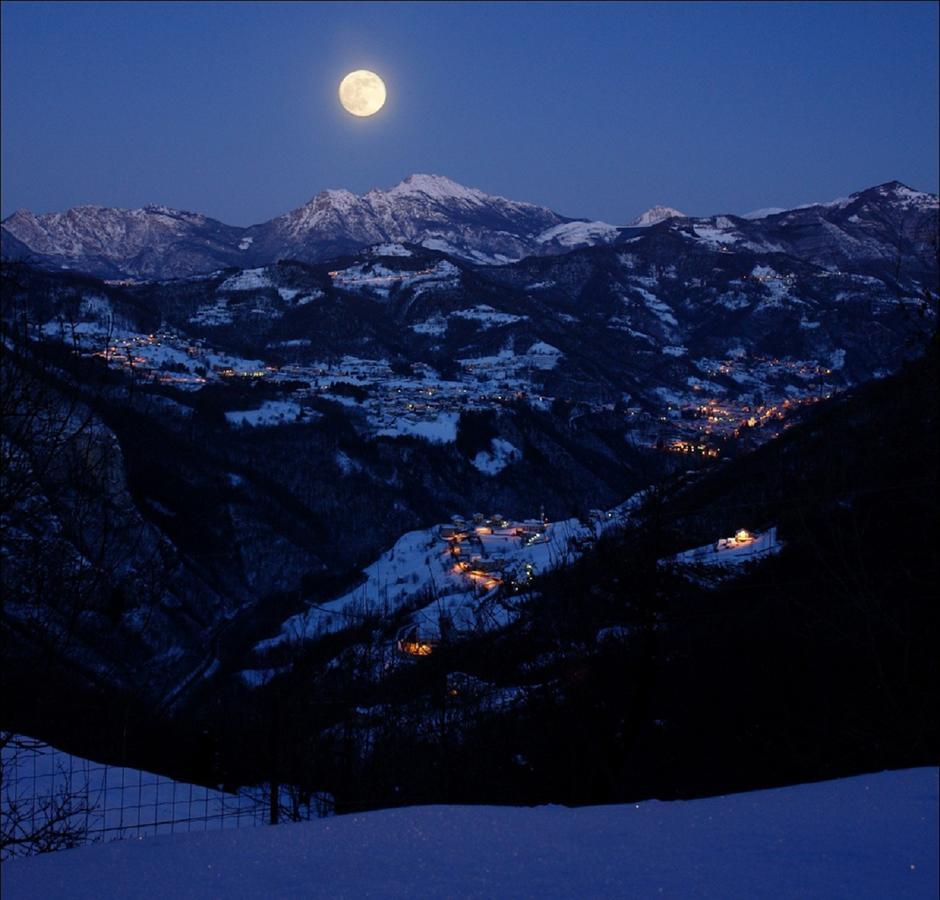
(763, 212)
(872, 232)
(152, 242)
(157, 242)
(656, 214)
(423, 209)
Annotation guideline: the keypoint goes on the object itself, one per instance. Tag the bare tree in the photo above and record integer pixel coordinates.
(38, 821)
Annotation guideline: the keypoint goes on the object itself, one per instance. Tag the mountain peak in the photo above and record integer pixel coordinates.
(899, 192)
(21, 214)
(656, 214)
(891, 187)
(437, 187)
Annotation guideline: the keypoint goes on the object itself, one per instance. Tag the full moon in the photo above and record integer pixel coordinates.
(362, 93)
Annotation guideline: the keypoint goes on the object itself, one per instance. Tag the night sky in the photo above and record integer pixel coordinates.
(594, 110)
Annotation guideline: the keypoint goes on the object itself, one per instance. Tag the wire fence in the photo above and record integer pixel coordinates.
(52, 800)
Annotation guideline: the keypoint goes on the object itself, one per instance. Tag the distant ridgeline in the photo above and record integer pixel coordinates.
(883, 223)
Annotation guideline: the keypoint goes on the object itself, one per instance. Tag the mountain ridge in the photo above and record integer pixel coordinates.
(157, 242)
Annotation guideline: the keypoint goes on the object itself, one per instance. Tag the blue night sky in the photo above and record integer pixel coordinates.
(594, 110)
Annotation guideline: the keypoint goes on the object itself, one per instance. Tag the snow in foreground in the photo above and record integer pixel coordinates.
(100, 802)
(869, 836)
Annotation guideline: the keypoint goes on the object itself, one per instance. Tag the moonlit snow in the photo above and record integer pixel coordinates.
(872, 836)
(271, 412)
(577, 234)
(501, 454)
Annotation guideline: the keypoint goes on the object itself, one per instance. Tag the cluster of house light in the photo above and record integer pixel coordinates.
(680, 446)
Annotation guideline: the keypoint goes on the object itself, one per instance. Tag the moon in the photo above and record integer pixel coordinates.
(362, 93)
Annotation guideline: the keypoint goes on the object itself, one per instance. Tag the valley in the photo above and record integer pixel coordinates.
(345, 482)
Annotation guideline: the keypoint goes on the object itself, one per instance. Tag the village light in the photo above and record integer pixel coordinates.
(416, 648)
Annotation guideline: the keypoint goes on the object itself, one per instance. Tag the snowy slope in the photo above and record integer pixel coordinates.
(870, 836)
(111, 802)
(763, 212)
(578, 234)
(420, 562)
(154, 241)
(656, 214)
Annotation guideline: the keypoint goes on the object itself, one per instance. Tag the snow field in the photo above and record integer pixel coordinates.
(871, 836)
(501, 454)
(271, 412)
(112, 802)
